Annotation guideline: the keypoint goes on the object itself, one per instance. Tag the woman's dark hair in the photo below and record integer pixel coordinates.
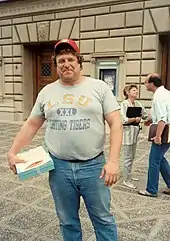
(156, 80)
(128, 88)
(69, 51)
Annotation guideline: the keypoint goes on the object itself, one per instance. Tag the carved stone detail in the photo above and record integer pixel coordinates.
(43, 31)
(34, 6)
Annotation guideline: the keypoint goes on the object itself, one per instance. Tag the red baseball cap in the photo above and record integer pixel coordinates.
(66, 42)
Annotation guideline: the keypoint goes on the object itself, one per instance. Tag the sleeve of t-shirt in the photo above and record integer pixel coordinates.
(38, 109)
(110, 103)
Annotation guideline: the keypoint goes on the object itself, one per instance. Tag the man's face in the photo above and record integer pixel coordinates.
(149, 86)
(68, 67)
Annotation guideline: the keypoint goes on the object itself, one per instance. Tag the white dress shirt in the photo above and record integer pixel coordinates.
(160, 110)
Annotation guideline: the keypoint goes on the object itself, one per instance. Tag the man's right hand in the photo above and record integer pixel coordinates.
(12, 161)
(148, 122)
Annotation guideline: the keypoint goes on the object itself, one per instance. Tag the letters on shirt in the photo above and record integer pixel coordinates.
(70, 125)
(82, 101)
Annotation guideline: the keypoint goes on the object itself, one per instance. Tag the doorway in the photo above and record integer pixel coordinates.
(165, 67)
(43, 67)
(39, 71)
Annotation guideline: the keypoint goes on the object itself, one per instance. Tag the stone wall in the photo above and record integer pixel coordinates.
(122, 28)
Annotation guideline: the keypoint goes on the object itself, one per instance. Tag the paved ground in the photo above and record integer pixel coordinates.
(27, 211)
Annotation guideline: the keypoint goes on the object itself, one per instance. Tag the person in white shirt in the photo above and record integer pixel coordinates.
(160, 113)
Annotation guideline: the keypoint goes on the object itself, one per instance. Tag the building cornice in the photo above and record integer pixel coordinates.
(37, 6)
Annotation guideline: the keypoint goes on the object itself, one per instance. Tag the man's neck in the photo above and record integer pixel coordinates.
(72, 82)
(155, 89)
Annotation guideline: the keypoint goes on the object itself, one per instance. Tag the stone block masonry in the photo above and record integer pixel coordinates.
(109, 29)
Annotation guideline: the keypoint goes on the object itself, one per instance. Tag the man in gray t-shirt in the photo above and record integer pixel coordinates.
(75, 109)
(75, 115)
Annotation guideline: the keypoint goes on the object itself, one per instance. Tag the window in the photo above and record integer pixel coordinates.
(110, 67)
(45, 69)
(109, 76)
(108, 72)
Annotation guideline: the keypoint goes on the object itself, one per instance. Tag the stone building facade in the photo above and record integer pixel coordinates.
(121, 40)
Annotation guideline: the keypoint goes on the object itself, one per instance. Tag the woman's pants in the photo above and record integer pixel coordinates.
(129, 152)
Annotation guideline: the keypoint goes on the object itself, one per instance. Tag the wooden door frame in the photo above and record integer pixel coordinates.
(36, 50)
(34, 77)
(165, 66)
(164, 63)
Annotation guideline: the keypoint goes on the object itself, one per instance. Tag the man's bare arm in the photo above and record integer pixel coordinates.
(26, 134)
(160, 128)
(110, 169)
(116, 131)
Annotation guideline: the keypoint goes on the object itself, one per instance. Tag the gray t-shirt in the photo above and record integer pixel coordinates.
(75, 117)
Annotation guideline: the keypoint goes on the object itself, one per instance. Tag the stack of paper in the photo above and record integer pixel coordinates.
(37, 161)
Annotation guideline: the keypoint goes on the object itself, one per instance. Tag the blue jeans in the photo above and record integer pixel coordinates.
(69, 181)
(158, 163)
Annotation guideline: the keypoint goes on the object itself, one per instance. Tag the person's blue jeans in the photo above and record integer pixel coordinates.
(69, 181)
(158, 163)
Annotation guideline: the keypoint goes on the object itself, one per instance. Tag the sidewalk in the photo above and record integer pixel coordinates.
(27, 210)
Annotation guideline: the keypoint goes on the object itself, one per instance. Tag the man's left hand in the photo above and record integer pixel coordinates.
(109, 172)
(157, 140)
